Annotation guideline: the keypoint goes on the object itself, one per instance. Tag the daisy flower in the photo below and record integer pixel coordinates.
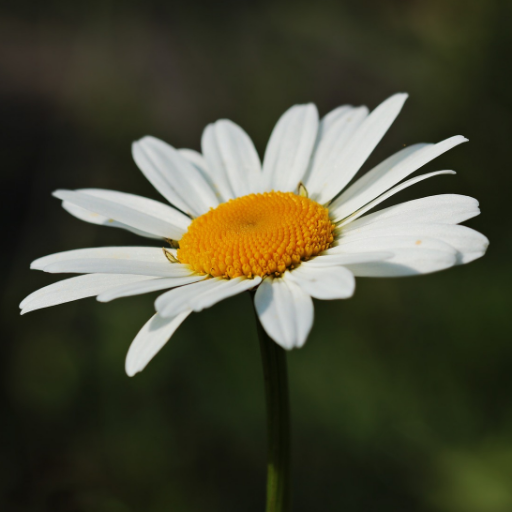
(291, 228)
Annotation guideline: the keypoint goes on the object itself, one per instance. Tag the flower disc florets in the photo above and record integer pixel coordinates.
(257, 234)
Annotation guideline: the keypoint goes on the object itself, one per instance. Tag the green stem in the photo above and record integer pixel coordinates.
(278, 422)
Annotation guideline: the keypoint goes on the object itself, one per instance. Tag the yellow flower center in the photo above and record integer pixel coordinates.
(256, 235)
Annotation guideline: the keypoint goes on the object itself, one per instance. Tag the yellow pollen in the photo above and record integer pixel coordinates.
(256, 235)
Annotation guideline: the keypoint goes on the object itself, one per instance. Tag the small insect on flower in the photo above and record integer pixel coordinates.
(292, 228)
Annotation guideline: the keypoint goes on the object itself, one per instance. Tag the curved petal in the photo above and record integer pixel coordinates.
(285, 311)
(408, 262)
(111, 266)
(147, 261)
(441, 209)
(218, 174)
(390, 172)
(174, 176)
(353, 154)
(230, 152)
(150, 340)
(199, 162)
(289, 148)
(76, 288)
(469, 244)
(202, 295)
(146, 220)
(142, 204)
(100, 220)
(195, 158)
(372, 204)
(325, 283)
(332, 260)
(333, 117)
(411, 255)
(334, 132)
(149, 254)
(138, 288)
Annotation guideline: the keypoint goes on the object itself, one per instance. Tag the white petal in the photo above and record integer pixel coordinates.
(174, 176)
(199, 162)
(285, 311)
(218, 174)
(323, 283)
(147, 261)
(335, 131)
(469, 244)
(139, 203)
(411, 255)
(331, 260)
(202, 295)
(195, 158)
(442, 209)
(154, 285)
(149, 254)
(230, 153)
(333, 117)
(390, 163)
(408, 262)
(150, 339)
(100, 220)
(360, 146)
(388, 173)
(76, 288)
(133, 217)
(111, 266)
(289, 148)
(383, 197)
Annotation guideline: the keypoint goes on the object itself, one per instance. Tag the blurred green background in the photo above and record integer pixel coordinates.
(402, 396)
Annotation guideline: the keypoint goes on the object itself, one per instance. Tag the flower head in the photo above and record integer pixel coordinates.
(257, 235)
(291, 228)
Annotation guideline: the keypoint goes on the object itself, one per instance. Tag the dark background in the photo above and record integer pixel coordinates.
(401, 397)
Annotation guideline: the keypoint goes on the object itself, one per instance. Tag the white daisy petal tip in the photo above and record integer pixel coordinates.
(399, 97)
(285, 311)
(146, 139)
(58, 193)
(394, 103)
(35, 266)
(150, 340)
(136, 150)
(75, 288)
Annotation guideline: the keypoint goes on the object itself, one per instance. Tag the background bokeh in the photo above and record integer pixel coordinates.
(402, 396)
